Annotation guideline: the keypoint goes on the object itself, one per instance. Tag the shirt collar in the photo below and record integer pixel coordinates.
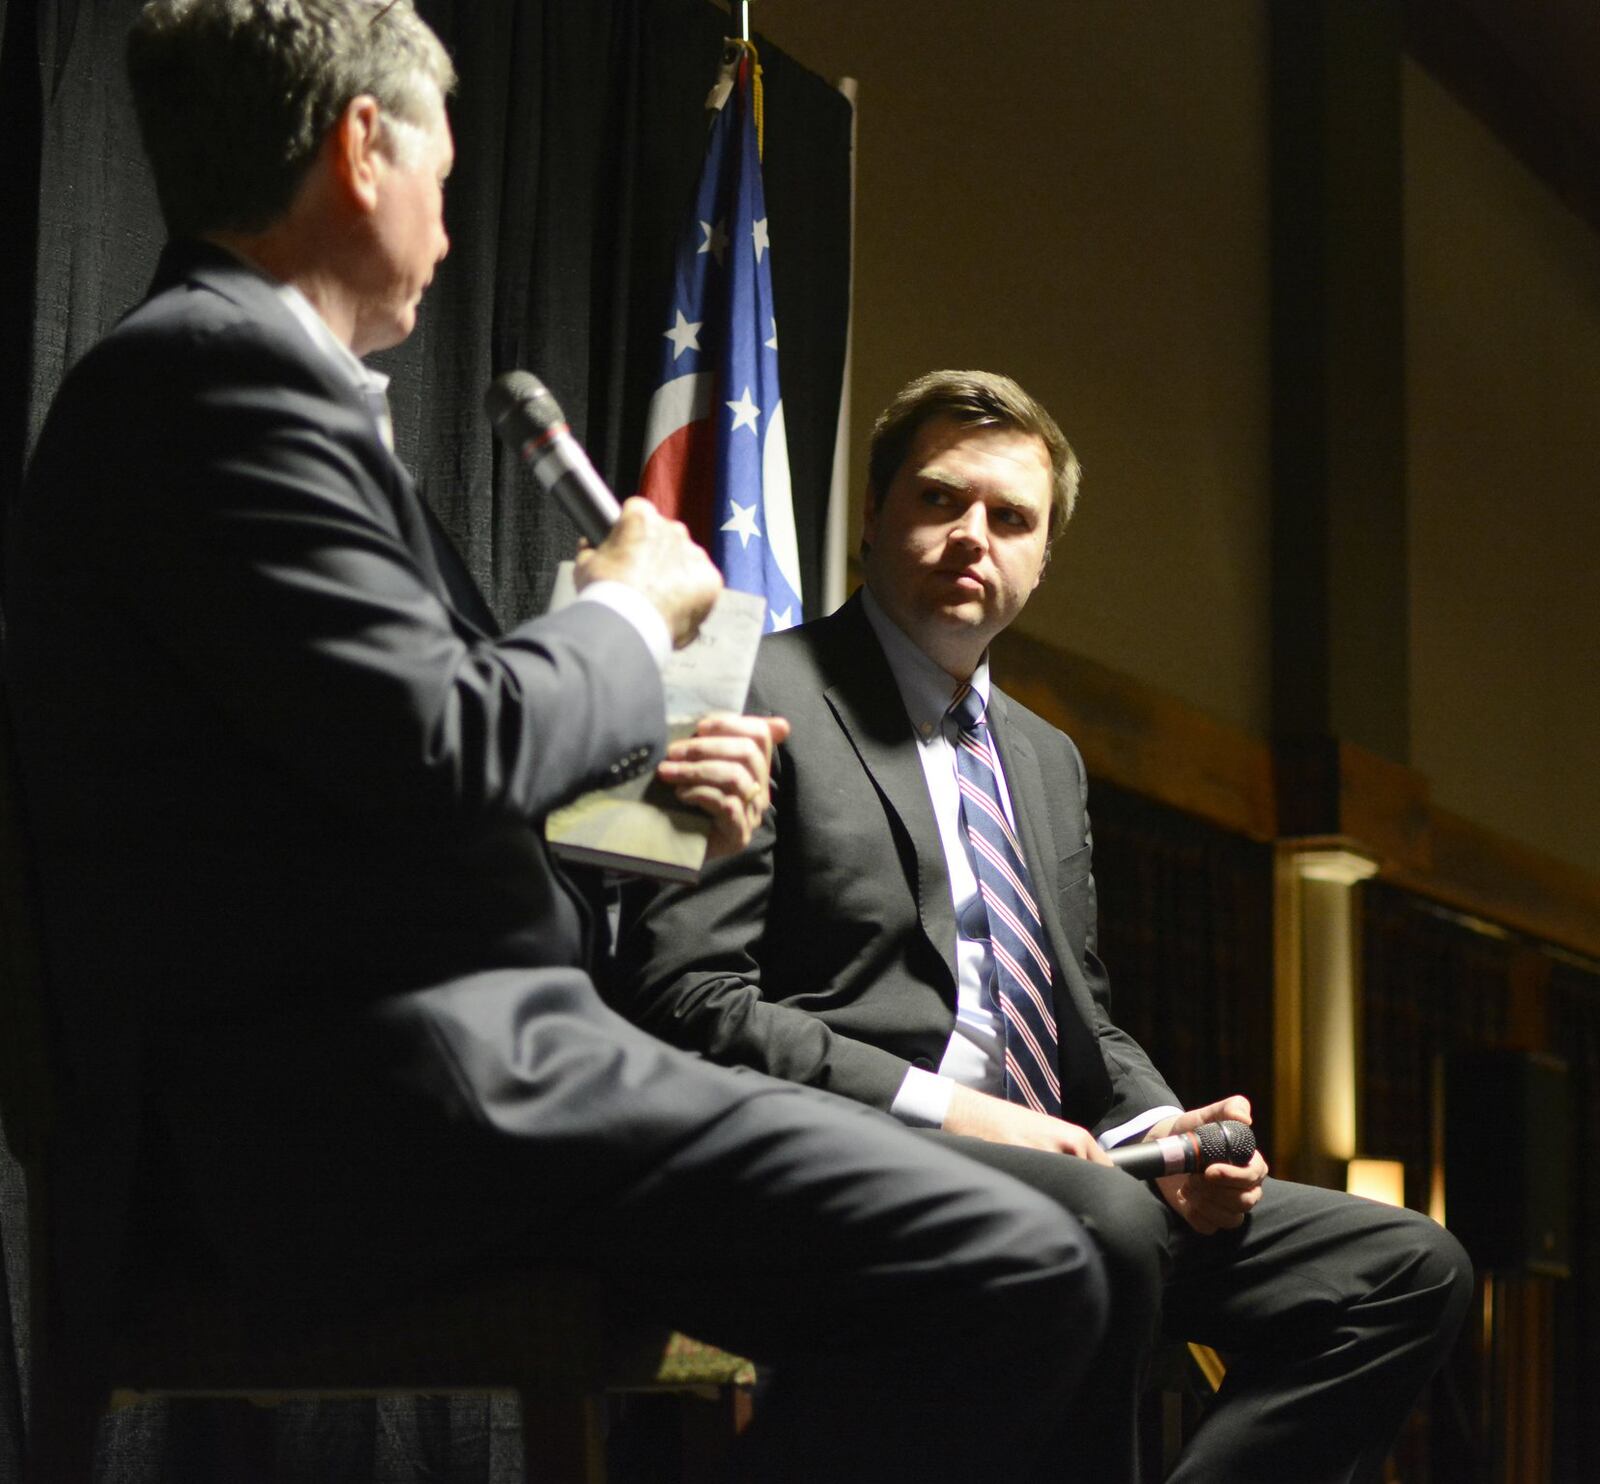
(925, 687)
(361, 376)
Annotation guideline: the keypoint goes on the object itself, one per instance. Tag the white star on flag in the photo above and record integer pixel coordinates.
(716, 242)
(745, 412)
(742, 522)
(685, 335)
(736, 493)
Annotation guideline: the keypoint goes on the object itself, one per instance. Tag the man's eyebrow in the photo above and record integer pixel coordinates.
(933, 475)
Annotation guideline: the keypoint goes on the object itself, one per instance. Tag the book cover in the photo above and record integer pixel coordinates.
(639, 826)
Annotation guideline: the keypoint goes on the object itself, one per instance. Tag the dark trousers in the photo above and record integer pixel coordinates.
(928, 1318)
(1332, 1313)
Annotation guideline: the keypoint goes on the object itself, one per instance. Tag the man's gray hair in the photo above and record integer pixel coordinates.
(235, 97)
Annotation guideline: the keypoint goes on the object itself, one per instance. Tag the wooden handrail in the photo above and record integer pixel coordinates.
(1152, 744)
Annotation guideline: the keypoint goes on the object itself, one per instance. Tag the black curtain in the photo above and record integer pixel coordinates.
(1432, 984)
(1575, 1036)
(579, 131)
(1186, 933)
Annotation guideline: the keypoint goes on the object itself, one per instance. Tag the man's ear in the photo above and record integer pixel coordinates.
(1044, 566)
(869, 522)
(353, 144)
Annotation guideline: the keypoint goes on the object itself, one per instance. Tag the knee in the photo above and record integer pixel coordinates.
(1422, 1279)
(1443, 1272)
(1068, 1275)
(1129, 1229)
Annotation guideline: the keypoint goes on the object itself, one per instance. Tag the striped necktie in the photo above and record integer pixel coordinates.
(1022, 972)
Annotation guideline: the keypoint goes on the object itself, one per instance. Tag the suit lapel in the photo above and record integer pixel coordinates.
(1078, 1054)
(865, 699)
(223, 274)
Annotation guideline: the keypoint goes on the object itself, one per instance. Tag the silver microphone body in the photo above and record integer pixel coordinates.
(1228, 1142)
(530, 421)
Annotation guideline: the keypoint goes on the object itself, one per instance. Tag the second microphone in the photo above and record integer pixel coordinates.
(1227, 1143)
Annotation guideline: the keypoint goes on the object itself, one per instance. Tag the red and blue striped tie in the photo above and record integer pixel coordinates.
(1022, 973)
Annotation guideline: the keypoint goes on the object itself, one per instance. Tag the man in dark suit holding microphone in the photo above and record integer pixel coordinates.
(314, 976)
(914, 927)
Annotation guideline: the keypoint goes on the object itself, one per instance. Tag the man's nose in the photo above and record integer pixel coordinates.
(444, 245)
(973, 527)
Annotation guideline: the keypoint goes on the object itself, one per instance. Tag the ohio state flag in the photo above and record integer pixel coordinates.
(715, 454)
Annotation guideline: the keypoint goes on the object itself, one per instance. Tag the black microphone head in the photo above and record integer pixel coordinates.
(1227, 1143)
(520, 407)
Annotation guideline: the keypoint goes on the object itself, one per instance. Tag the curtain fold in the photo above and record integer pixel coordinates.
(1186, 934)
(1431, 985)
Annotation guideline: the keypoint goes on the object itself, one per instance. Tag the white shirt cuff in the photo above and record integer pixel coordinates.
(631, 604)
(923, 1098)
(1125, 1133)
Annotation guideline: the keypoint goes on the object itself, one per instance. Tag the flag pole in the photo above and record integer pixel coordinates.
(836, 529)
(744, 19)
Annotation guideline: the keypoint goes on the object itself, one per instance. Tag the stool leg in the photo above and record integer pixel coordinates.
(562, 1441)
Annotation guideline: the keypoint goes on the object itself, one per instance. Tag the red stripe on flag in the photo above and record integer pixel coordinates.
(679, 478)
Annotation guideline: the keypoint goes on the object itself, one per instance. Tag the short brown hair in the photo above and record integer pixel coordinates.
(235, 97)
(981, 399)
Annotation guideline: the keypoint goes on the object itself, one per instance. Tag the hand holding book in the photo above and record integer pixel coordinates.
(720, 759)
(725, 771)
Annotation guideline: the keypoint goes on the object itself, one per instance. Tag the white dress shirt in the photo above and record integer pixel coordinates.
(974, 1056)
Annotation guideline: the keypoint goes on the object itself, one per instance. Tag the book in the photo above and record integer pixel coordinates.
(638, 826)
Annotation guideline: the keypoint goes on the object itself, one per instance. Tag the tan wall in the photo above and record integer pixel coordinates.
(1075, 193)
(1503, 388)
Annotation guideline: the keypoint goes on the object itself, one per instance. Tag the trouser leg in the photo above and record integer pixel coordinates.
(1332, 1313)
(1096, 1436)
(928, 1318)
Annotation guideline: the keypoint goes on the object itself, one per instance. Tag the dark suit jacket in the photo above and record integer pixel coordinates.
(826, 952)
(312, 966)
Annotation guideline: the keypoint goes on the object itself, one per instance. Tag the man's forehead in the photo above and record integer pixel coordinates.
(949, 451)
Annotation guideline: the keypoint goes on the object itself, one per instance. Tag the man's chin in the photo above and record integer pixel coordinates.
(386, 334)
(962, 614)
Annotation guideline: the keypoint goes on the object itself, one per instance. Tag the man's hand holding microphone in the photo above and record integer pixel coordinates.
(725, 768)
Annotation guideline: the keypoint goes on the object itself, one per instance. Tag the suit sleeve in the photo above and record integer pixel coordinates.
(690, 969)
(275, 572)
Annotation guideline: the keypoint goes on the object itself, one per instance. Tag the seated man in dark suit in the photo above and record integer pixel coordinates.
(914, 928)
(315, 977)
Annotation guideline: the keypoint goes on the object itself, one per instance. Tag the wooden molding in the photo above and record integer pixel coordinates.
(1323, 786)
(1161, 748)
(1487, 875)
(1143, 740)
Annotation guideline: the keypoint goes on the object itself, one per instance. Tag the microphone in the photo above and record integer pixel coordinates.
(1227, 1143)
(531, 423)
